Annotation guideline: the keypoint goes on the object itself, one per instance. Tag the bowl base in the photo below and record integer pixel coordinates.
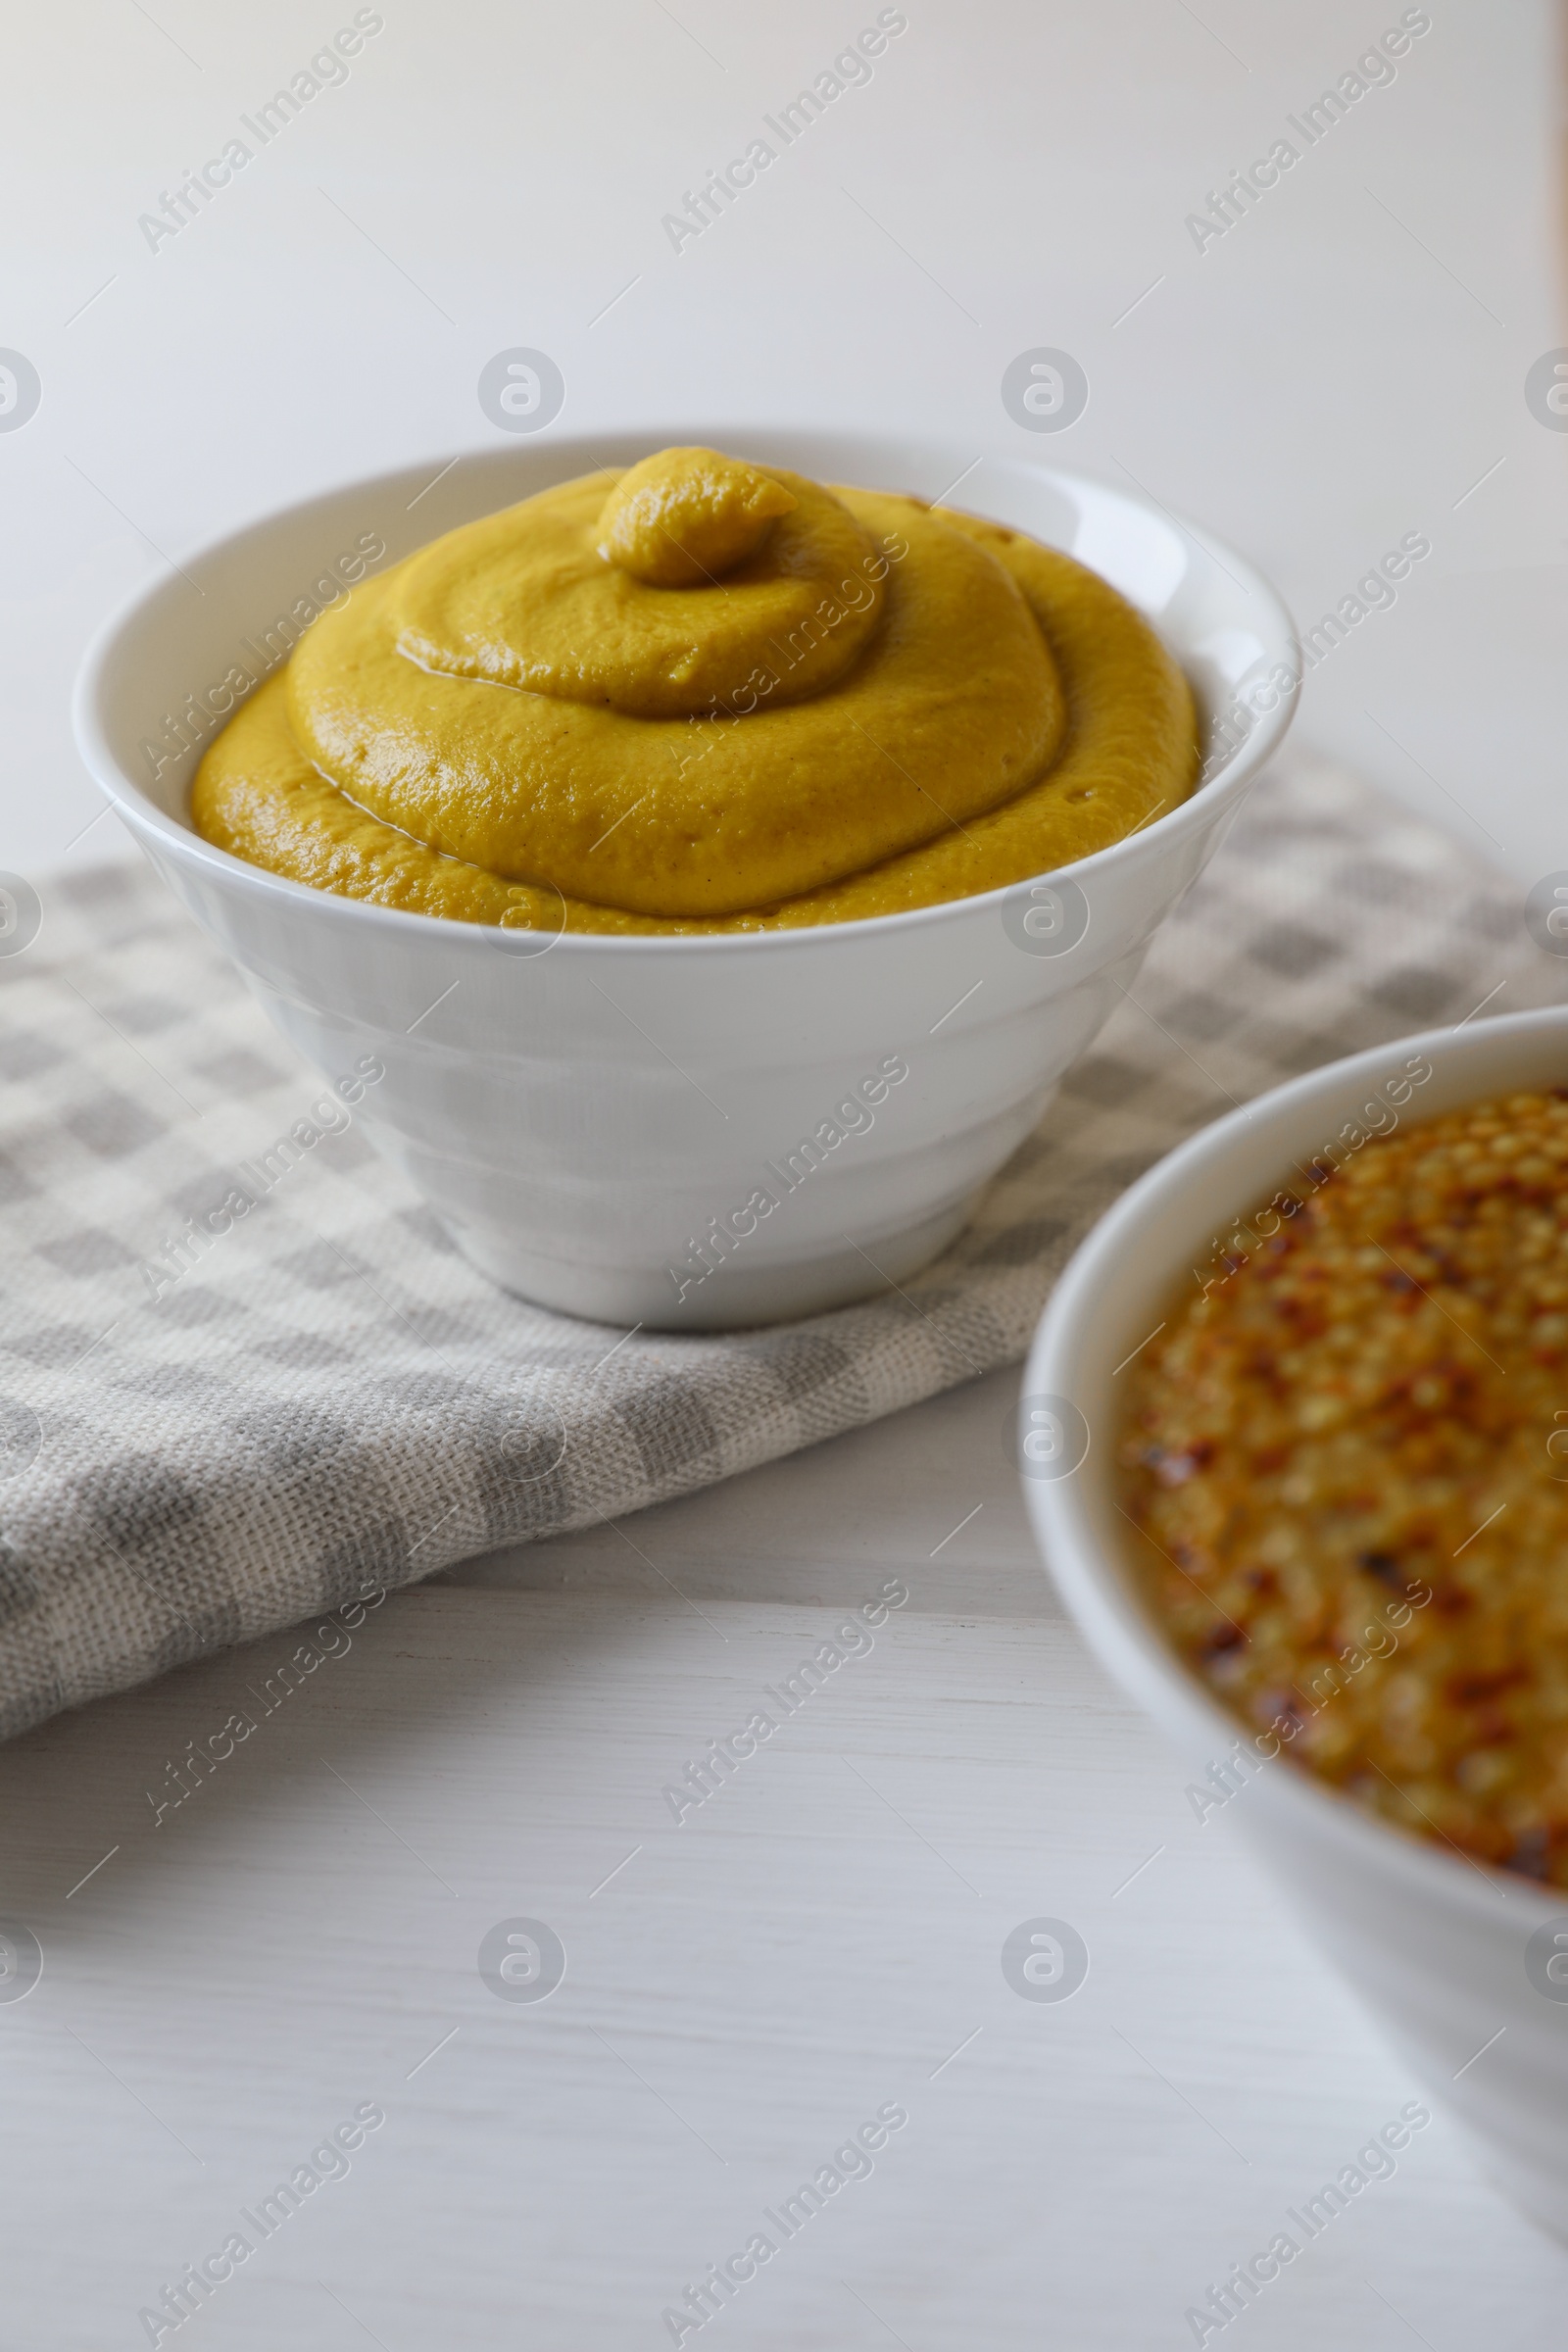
(734, 1297)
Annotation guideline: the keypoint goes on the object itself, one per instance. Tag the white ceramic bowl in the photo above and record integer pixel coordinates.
(1439, 1948)
(593, 1118)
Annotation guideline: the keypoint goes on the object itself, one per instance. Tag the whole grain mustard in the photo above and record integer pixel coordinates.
(1347, 1451)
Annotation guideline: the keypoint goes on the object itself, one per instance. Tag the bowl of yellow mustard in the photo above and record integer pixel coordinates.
(725, 843)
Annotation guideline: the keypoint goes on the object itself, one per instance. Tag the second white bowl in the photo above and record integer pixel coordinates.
(1466, 1968)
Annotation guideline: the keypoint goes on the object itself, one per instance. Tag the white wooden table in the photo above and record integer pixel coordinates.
(818, 1941)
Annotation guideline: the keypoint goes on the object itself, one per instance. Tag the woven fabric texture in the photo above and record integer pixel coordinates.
(330, 1400)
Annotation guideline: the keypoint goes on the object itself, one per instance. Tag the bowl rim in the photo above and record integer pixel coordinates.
(1099, 1587)
(1204, 806)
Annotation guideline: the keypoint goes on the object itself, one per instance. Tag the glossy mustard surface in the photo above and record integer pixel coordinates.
(704, 695)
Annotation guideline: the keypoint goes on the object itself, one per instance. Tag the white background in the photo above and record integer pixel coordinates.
(1319, 381)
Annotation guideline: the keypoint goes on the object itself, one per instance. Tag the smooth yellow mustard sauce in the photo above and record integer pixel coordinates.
(704, 695)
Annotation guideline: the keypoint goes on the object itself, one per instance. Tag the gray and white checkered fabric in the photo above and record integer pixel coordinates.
(333, 1401)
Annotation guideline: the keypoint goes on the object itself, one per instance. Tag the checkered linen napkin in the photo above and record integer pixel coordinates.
(331, 1401)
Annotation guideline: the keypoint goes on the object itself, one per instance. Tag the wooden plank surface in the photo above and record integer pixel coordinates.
(817, 1941)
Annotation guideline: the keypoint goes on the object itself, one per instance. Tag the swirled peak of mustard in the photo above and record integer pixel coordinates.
(703, 695)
